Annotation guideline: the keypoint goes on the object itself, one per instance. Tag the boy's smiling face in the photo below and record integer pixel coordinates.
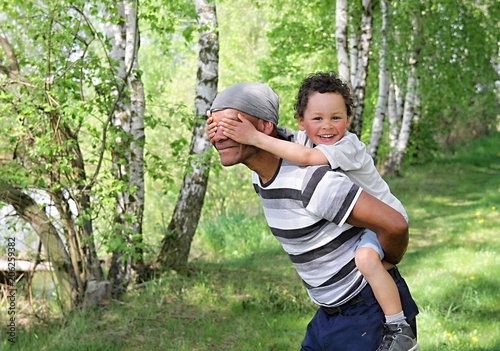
(325, 118)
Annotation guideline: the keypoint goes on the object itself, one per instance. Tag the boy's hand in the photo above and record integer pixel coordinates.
(211, 127)
(243, 132)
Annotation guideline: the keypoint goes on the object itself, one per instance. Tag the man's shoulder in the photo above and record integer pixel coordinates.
(309, 173)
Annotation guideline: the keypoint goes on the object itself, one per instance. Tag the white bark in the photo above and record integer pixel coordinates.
(383, 89)
(128, 155)
(177, 243)
(341, 40)
(404, 133)
(395, 157)
(137, 104)
(359, 83)
(394, 117)
(353, 57)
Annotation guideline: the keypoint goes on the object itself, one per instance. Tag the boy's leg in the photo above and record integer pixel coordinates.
(401, 337)
(383, 286)
(398, 335)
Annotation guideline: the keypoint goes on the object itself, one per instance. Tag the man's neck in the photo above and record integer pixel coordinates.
(265, 165)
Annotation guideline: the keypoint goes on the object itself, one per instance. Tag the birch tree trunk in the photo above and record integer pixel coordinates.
(127, 156)
(383, 88)
(394, 114)
(341, 41)
(176, 244)
(353, 50)
(395, 157)
(359, 84)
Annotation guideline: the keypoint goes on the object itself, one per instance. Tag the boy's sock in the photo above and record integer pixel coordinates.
(398, 318)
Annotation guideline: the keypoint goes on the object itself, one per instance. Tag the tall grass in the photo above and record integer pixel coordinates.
(242, 293)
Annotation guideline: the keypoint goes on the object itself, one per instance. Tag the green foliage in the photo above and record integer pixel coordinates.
(458, 44)
(61, 109)
(240, 50)
(301, 41)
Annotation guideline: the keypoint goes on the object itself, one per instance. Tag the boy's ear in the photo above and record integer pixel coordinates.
(348, 122)
(300, 123)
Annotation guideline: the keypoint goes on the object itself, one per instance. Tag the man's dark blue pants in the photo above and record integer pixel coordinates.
(358, 327)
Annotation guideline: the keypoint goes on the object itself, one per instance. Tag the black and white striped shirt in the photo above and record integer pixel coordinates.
(306, 209)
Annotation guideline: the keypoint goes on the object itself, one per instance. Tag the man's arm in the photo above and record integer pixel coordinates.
(389, 225)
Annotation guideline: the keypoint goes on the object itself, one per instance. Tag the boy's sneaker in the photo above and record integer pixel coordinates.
(398, 337)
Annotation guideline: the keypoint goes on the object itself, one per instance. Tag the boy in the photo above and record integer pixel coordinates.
(323, 110)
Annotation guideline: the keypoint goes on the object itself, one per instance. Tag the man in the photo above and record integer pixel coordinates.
(317, 215)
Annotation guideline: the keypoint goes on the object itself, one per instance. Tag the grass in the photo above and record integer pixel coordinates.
(243, 294)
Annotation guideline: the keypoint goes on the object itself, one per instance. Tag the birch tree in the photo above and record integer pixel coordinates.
(393, 162)
(359, 67)
(359, 40)
(383, 89)
(394, 114)
(176, 244)
(341, 41)
(127, 121)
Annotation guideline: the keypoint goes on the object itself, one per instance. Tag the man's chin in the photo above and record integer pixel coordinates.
(227, 163)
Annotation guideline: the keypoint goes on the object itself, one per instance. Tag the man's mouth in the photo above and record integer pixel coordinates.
(223, 147)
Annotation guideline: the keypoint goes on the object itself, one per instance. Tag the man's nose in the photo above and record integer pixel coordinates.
(218, 136)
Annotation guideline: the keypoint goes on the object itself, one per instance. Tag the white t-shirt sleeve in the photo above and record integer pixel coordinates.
(348, 153)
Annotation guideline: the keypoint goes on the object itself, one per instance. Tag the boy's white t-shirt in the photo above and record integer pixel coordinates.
(349, 155)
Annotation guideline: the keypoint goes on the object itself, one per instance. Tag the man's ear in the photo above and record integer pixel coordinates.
(265, 127)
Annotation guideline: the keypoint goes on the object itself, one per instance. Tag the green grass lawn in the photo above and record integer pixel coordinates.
(253, 300)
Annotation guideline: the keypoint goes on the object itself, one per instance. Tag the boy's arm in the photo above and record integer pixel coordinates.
(389, 225)
(244, 132)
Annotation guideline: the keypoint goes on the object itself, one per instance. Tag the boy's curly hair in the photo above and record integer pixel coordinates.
(322, 82)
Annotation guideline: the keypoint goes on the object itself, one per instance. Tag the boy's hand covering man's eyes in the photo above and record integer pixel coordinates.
(211, 127)
(243, 132)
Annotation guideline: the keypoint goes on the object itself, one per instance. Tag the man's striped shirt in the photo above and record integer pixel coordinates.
(306, 209)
